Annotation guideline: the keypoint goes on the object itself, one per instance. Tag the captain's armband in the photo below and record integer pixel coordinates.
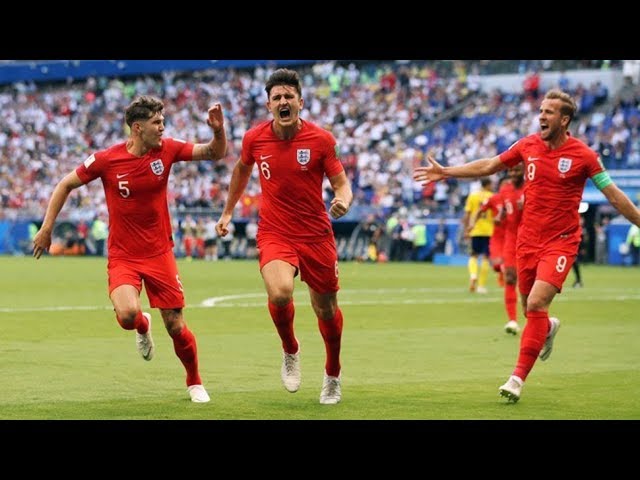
(602, 180)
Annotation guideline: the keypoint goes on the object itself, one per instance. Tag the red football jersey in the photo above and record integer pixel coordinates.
(291, 175)
(513, 206)
(554, 182)
(136, 194)
(495, 203)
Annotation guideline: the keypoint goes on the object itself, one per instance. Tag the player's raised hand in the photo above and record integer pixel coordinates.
(41, 243)
(431, 173)
(216, 118)
(338, 207)
(222, 225)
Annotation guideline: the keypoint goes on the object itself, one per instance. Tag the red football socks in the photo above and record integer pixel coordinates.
(184, 344)
(532, 341)
(331, 331)
(511, 301)
(283, 320)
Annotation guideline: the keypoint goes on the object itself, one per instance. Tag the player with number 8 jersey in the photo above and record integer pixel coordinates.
(556, 169)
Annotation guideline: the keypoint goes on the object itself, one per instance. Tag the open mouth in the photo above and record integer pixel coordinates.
(285, 113)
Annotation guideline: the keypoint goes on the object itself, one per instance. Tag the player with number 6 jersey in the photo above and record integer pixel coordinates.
(291, 175)
(294, 230)
(557, 167)
(134, 175)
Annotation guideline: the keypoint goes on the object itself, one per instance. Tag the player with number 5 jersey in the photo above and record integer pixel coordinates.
(556, 169)
(134, 175)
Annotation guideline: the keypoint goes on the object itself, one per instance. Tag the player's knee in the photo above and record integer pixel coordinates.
(127, 317)
(536, 305)
(281, 297)
(325, 312)
(174, 329)
(173, 320)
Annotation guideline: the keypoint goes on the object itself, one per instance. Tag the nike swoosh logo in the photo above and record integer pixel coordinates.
(532, 159)
(123, 175)
(264, 157)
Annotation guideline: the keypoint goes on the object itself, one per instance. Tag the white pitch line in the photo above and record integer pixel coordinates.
(464, 290)
(211, 302)
(227, 301)
(421, 301)
(64, 308)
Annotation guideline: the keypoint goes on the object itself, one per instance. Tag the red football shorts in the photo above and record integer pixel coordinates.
(317, 262)
(160, 275)
(551, 263)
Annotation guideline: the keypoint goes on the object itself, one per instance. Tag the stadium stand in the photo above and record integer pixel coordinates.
(385, 116)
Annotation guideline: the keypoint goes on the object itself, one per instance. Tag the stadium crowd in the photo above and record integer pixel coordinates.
(385, 116)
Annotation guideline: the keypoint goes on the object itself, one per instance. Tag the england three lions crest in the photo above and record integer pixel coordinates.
(157, 166)
(564, 164)
(304, 155)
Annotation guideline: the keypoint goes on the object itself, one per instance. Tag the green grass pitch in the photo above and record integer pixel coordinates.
(416, 345)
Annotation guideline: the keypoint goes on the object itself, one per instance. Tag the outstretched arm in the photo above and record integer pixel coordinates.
(343, 196)
(42, 240)
(478, 168)
(217, 147)
(239, 180)
(621, 202)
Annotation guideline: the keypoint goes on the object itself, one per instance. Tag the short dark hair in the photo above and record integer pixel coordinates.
(142, 108)
(283, 76)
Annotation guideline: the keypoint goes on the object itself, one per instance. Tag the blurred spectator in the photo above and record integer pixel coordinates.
(440, 239)
(601, 245)
(251, 231)
(82, 233)
(32, 230)
(631, 70)
(420, 251)
(405, 231)
(99, 232)
(564, 82)
(582, 252)
(531, 85)
(199, 239)
(210, 240)
(633, 240)
(188, 228)
(227, 240)
(370, 232)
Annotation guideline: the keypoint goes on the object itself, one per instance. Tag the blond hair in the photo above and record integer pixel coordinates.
(568, 107)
